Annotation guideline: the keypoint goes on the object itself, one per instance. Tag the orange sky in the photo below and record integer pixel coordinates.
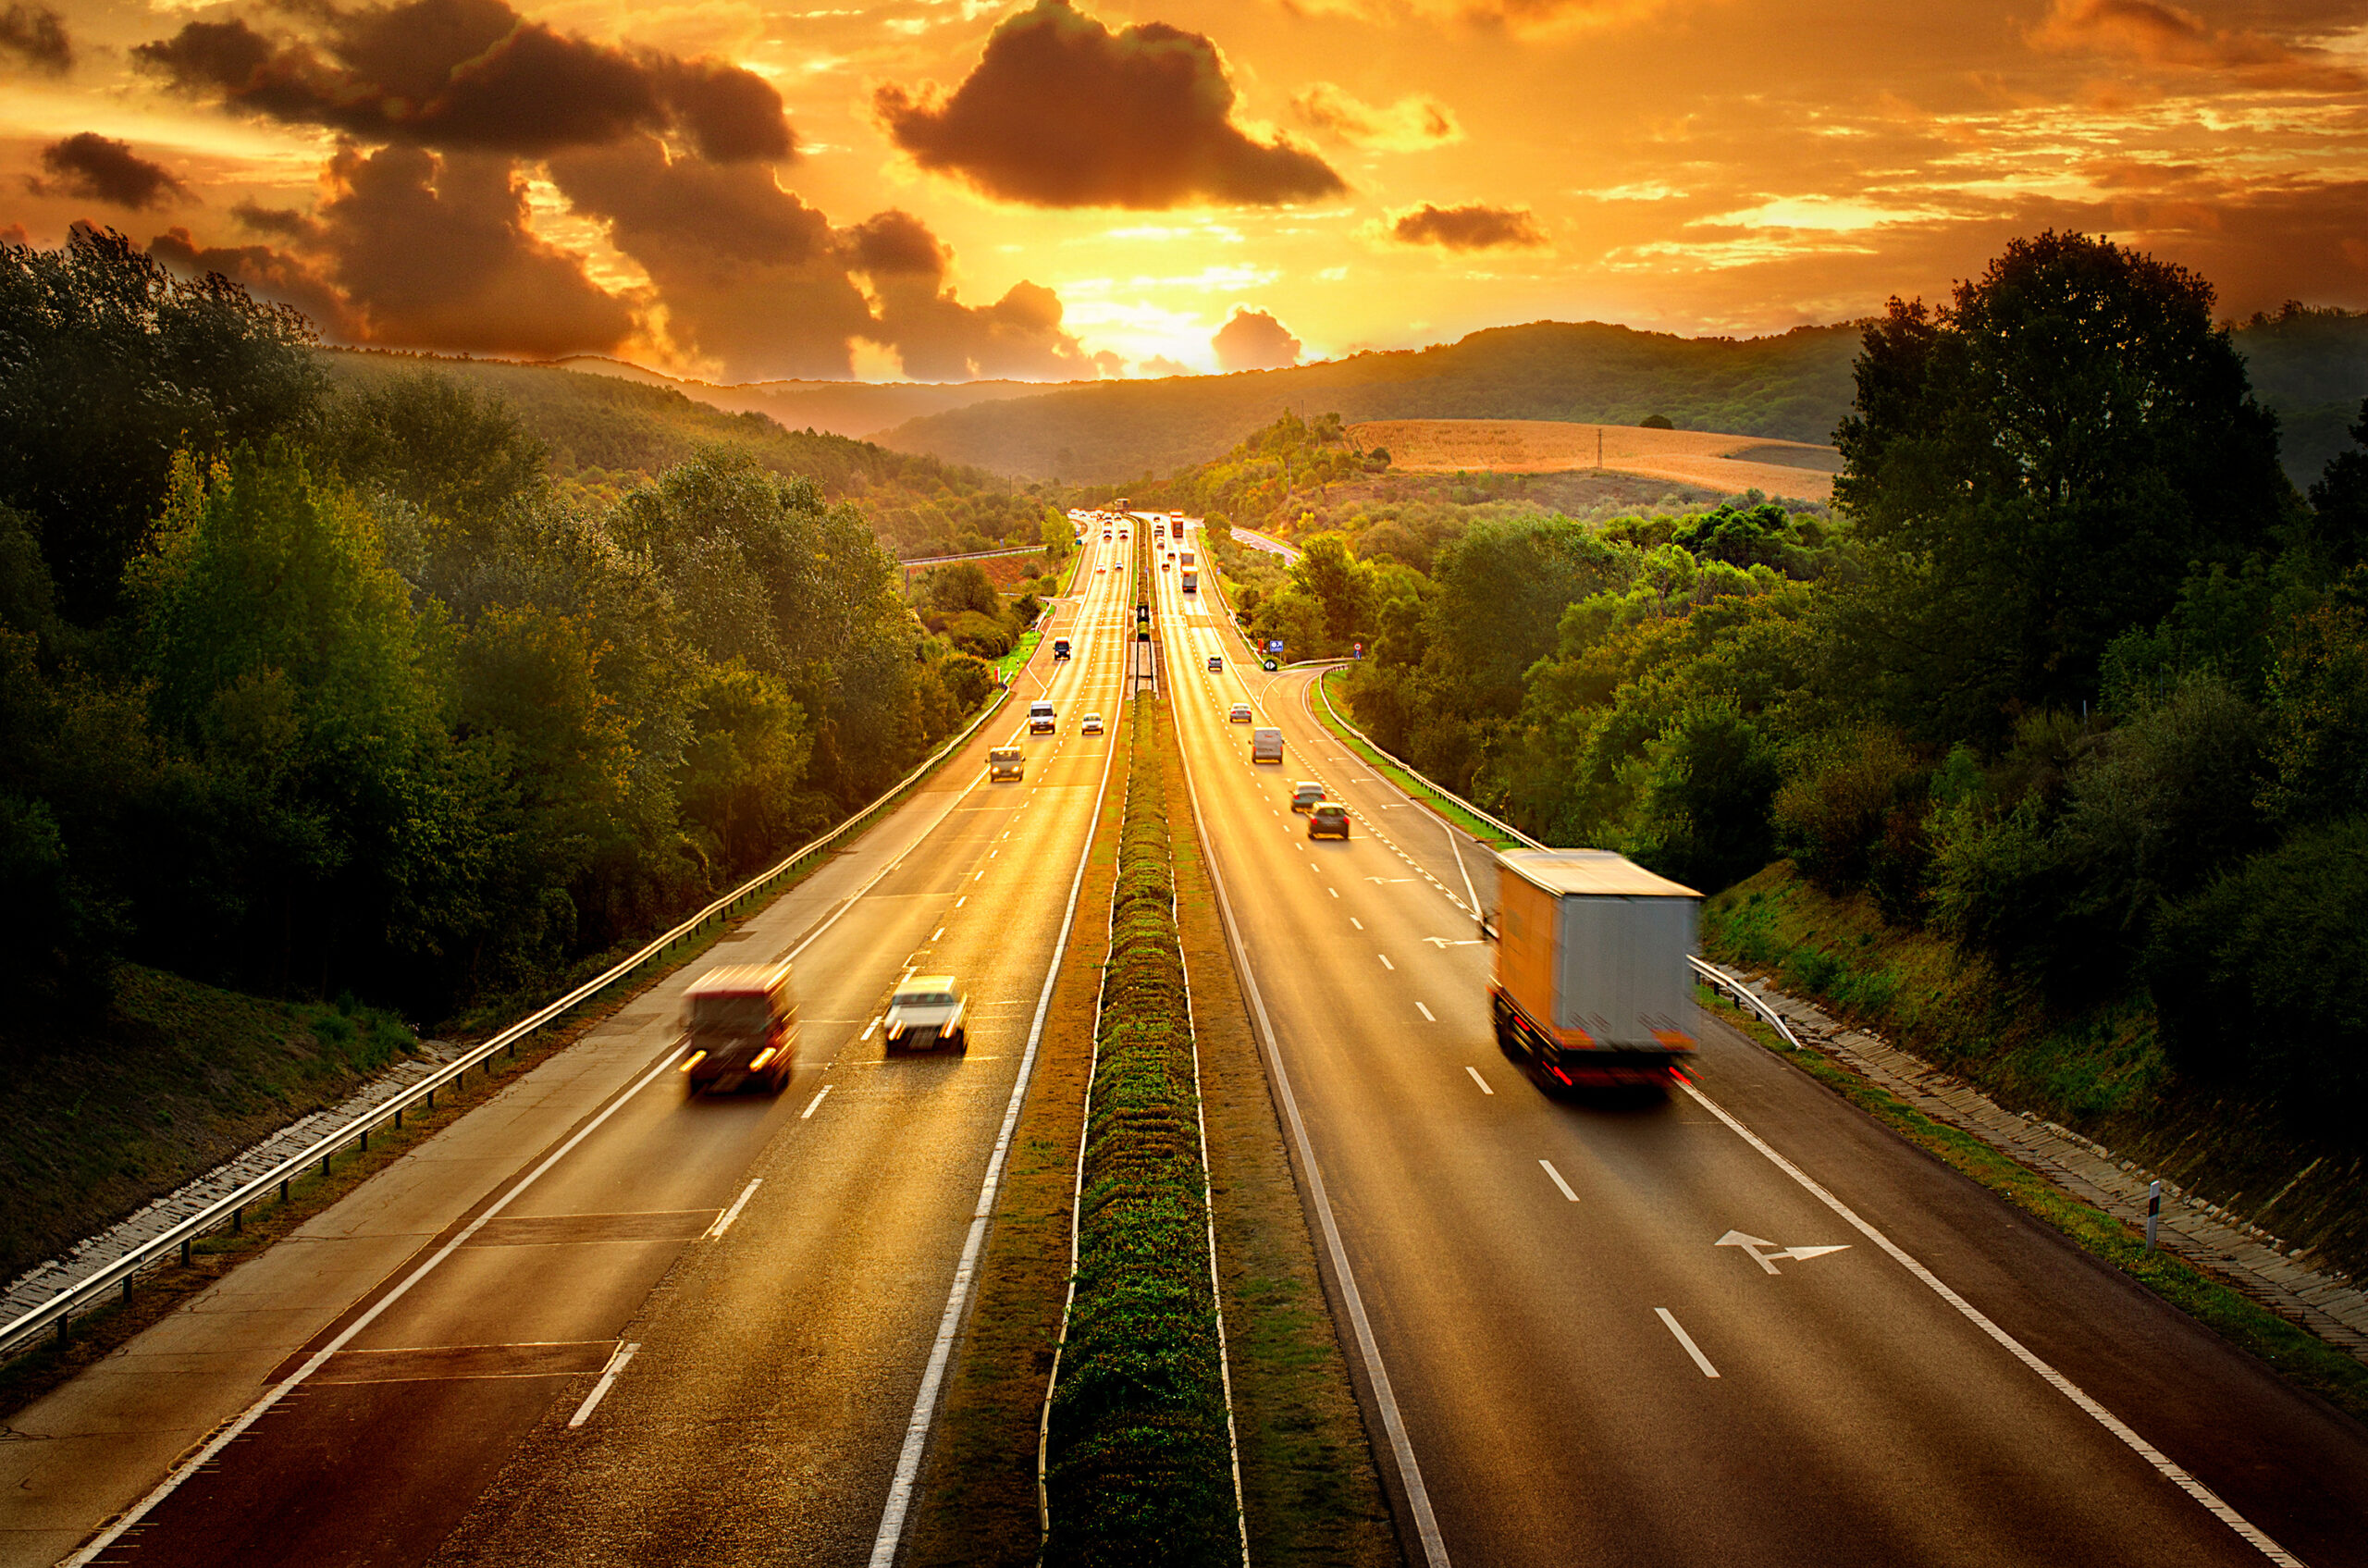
(1046, 191)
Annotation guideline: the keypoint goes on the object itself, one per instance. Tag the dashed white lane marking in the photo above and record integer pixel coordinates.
(1385, 961)
(1687, 1340)
(1548, 1166)
(1333, 891)
(723, 1221)
(938, 933)
(1478, 1080)
(866, 1032)
(816, 1104)
(623, 1354)
(2164, 1466)
(1426, 1012)
(959, 902)
(1356, 922)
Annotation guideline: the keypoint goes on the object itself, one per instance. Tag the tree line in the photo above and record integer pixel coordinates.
(314, 689)
(2074, 676)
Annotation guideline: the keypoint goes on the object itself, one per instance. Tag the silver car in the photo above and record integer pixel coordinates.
(926, 1011)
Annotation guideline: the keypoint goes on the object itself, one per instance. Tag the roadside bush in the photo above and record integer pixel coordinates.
(1855, 818)
(979, 636)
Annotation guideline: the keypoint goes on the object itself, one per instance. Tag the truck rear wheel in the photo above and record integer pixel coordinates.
(962, 1042)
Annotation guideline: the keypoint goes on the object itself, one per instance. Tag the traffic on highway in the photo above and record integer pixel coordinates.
(1612, 1292)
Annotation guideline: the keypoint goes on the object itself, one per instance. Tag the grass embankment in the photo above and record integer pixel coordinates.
(1138, 1452)
(1416, 790)
(2101, 1073)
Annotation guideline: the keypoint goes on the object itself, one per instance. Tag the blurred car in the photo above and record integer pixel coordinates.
(924, 1011)
(1328, 819)
(1006, 762)
(1216, 662)
(739, 1029)
(1241, 714)
(1090, 724)
(1305, 794)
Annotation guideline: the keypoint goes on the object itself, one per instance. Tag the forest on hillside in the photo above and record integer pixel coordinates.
(2074, 678)
(2309, 367)
(313, 686)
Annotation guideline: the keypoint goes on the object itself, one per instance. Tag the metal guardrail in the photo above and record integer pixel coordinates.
(1439, 789)
(1729, 985)
(58, 1311)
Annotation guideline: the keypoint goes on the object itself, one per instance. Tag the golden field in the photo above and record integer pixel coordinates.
(1539, 446)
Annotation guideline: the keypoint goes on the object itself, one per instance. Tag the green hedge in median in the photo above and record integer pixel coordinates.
(1139, 1463)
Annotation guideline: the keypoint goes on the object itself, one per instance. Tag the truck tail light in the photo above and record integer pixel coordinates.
(694, 1059)
(767, 1054)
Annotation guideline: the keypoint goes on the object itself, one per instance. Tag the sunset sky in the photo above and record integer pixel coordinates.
(938, 189)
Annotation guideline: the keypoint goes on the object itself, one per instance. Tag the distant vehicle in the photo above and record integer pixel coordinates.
(1105, 533)
(1216, 660)
(1328, 819)
(1090, 724)
(1006, 762)
(1592, 986)
(1305, 794)
(1189, 559)
(1122, 533)
(1041, 720)
(1241, 714)
(1266, 745)
(1191, 580)
(924, 1011)
(1060, 647)
(1121, 504)
(740, 1028)
(1163, 564)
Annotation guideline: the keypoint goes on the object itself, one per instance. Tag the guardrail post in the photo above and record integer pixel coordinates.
(431, 1099)
(283, 1189)
(365, 1140)
(184, 1252)
(127, 1290)
(238, 1219)
(63, 1318)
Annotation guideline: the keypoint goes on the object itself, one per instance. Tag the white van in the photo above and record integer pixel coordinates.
(1266, 745)
(1040, 719)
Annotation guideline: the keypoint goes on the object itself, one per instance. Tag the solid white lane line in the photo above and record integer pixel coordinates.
(723, 1221)
(891, 1536)
(1426, 1012)
(1687, 1340)
(227, 1434)
(1548, 1166)
(815, 1103)
(2164, 1466)
(1385, 961)
(1478, 1080)
(616, 1362)
(871, 1025)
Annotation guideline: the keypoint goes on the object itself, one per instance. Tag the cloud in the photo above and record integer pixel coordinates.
(437, 252)
(100, 170)
(469, 75)
(2148, 33)
(266, 273)
(1414, 122)
(1061, 112)
(936, 337)
(1254, 340)
(1474, 228)
(36, 35)
(1161, 366)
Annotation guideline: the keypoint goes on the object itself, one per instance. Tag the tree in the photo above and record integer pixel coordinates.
(2032, 470)
(108, 366)
(2339, 500)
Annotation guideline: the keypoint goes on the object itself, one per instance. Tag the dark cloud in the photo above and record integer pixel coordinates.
(937, 338)
(101, 169)
(892, 243)
(1413, 122)
(266, 273)
(1063, 113)
(1254, 340)
(2166, 37)
(470, 75)
(36, 35)
(749, 275)
(1471, 227)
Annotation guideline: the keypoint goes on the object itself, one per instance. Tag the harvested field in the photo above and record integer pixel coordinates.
(1725, 463)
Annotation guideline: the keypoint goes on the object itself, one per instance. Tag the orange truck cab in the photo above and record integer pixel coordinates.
(740, 1028)
(1592, 989)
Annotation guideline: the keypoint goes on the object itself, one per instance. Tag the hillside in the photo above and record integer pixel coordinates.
(2309, 366)
(860, 408)
(1721, 463)
(1790, 387)
(605, 430)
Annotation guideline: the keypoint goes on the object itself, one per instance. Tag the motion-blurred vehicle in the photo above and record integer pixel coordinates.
(1041, 720)
(1006, 762)
(1191, 580)
(925, 1011)
(1328, 819)
(1305, 794)
(1090, 724)
(1240, 715)
(1216, 662)
(1591, 987)
(1266, 745)
(740, 1028)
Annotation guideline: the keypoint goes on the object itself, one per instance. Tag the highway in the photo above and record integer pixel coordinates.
(1616, 1333)
(669, 1330)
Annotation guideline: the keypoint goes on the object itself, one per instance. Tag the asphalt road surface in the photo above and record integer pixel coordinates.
(775, 1267)
(1585, 1374)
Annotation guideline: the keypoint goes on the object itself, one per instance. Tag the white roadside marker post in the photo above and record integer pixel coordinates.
(2154, 1211)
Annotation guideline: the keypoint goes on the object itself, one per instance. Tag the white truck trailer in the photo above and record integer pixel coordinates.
(1592, 988)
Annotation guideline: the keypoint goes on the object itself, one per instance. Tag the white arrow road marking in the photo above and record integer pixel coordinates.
(1443, 942)
(1765, 1253)
(1389, 879)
